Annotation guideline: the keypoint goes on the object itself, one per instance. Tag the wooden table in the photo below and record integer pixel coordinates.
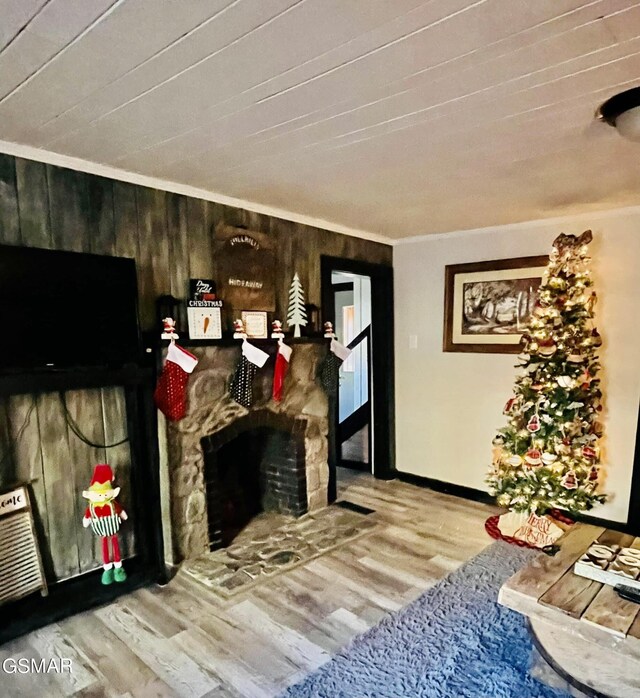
(587, 632)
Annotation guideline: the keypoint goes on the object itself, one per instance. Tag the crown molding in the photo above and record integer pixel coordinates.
(58, 159)
(586, 216)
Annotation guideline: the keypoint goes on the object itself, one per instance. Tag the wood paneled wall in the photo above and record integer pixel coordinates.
(171, 238)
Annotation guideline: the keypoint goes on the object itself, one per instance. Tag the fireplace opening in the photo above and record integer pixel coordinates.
(236, 485)
(253, 465)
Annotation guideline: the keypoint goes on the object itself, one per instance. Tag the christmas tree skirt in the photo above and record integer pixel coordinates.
(526, 529)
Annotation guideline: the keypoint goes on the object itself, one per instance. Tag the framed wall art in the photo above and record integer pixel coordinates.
(487, 304)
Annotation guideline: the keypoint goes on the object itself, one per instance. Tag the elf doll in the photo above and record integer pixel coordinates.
(104, 515)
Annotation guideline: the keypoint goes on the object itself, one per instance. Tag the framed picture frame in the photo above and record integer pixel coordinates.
(255, 324)
(487, 304)
(204, 323)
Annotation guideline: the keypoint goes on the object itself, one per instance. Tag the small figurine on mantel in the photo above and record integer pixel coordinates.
(169, 329)
(276, 330)
(239, 331)
(328, 330)
(104, 514)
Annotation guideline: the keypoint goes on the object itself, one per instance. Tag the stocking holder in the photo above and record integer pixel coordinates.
(328, 330)
(239, 331)
(169, 329)
(276, 330)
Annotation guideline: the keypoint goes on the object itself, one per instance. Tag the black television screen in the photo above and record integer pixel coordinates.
(67, 309)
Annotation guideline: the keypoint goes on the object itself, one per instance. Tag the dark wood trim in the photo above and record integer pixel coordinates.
(355, 465)
(633, 517)
(480, 496)
(343, 286)
(71, 379)
(450, 272)
(446, 487)
(383, 423)
(152, 341)
(356, 421)
(607, 523)
(366, 333)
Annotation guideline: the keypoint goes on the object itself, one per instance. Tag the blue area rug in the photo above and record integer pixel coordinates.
(454, 641)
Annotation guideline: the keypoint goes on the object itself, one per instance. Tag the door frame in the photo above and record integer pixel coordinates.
(633, 517)
(382, 363)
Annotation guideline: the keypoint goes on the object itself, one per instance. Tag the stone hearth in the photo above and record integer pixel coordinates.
(303, 411)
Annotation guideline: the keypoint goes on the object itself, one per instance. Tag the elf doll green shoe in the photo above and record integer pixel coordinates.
(107, 577)
(119, 574)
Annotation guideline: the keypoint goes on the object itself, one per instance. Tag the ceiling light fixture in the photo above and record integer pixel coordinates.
(622, 111)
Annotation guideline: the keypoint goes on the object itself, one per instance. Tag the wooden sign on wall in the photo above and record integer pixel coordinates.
(246, 268)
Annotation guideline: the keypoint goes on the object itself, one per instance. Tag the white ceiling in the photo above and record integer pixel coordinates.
(397, 117)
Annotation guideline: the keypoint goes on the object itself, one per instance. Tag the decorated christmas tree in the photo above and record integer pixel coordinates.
(297, 313)
(547, 456)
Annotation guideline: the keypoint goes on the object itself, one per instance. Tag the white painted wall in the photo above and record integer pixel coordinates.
(448, 406)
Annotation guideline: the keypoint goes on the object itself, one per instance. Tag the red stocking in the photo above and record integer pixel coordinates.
(171, 392)
(282, 366)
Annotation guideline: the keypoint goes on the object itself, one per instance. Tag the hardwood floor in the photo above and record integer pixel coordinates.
(181, 640)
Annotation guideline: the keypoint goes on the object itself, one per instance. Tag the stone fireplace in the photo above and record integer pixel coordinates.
(226, 463)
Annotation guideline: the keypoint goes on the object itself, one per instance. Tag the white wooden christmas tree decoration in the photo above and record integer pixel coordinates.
(297, 313)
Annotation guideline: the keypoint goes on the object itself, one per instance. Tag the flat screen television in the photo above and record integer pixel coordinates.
(67, 309)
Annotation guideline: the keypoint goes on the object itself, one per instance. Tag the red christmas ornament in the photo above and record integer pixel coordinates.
(589, 452)
(569, 481)
(509, 406)
(534, 424)
(547, 347)
(593, 474)
(533, 457)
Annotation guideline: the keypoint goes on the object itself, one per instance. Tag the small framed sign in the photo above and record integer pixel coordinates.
(204, 323)
(204, 310)
(255, 324)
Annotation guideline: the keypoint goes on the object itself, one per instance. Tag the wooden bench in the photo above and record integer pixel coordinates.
(583, 628)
